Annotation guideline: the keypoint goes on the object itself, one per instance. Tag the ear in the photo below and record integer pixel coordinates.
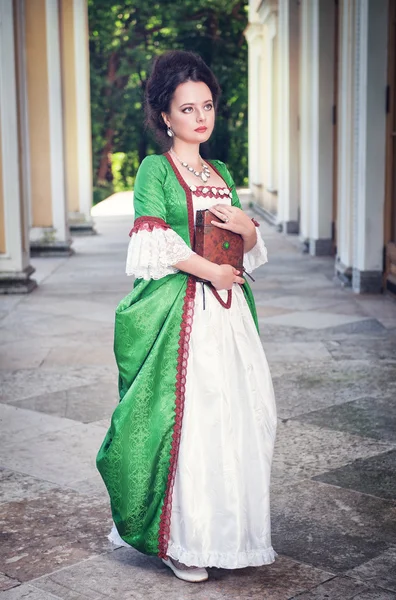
(165, 118)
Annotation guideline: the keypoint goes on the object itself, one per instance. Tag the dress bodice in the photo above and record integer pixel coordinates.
(205, 196)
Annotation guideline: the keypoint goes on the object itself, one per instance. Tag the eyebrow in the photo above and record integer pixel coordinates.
(193, 103)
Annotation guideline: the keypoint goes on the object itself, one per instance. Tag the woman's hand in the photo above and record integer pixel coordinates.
(225, 276)
(234, 219)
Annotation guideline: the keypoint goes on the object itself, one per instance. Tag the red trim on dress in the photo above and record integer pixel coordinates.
(181, 378)
(256, 223)
(209, 194)
(181, 374)
(148, 224)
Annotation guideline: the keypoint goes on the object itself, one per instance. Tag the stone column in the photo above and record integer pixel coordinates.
(77, 116)
(254, 37)
(49, 233)
(15, 270)
(288, 135)
(369, 146)
(345, 124)
(317, 64)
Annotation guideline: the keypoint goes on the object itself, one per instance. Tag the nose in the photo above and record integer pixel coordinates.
(200, 115)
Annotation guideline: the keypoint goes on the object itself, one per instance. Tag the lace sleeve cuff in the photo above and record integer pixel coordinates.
(153, 248)
(257, 255)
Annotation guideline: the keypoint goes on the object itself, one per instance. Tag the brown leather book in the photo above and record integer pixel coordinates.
(218, 245)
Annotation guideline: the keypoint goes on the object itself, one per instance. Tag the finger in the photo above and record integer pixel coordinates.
(236, 272)
(239, 280)
(221, 225)
(223, 208)
(219, 213)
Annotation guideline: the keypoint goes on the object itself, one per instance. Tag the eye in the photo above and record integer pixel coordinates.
(209, 106)
(187, 110)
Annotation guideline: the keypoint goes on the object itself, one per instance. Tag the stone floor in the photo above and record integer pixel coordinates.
(333, 496)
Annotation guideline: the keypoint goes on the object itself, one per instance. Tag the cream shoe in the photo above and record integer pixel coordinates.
(192, 574)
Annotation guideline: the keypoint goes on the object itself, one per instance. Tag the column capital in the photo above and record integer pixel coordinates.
(253, 32)
(267, 10)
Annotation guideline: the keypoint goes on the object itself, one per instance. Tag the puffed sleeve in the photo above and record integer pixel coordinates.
(258, 254)
(154, 246)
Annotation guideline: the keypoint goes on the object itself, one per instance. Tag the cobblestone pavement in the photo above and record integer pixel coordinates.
(333, 496)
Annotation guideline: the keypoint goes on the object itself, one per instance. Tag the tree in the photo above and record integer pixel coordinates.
(124, 39)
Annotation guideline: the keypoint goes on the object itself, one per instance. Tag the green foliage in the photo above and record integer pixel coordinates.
(124, 39)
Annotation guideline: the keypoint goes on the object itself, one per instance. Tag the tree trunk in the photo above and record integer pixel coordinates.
(105, 159)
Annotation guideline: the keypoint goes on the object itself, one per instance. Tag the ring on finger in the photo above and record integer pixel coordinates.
(226, 219)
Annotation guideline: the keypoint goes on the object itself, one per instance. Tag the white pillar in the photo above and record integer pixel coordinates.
(345, 125)
(77, 115)
(369, 151)
(288, 135)
(317, 123)
(50, 233)
(269, 77)
(305, 119)
(254, 38)
(15, 270)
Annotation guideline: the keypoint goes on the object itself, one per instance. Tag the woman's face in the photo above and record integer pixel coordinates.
(192, 113)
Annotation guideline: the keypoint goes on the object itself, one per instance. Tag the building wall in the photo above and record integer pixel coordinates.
(322, 46)
(44, 111)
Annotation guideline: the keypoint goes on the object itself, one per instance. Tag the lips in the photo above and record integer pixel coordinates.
(201, 129)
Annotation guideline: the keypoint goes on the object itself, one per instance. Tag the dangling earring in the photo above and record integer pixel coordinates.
(170, 132)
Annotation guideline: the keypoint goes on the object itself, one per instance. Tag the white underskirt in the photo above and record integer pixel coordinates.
(220, 508)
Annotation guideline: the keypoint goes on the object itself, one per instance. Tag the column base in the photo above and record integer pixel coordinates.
(321, 247)
(263, 212)
(40, 248)
(343, 274)
(17, 282)
(367, 282)
(80, 225)
(290, 227)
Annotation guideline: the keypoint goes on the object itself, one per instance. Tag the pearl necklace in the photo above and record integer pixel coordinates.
(204, 174)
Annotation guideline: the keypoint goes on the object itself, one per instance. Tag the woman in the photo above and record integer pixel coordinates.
(187, 458)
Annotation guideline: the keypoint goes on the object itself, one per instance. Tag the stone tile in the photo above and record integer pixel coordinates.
(21, 355)
(345, 306)
(380, 348)
(27, 592)
(78, 354)
(269, 311)
(91, 311)
(86, 403)
(19, 424)
(375, 475)
(25, 383)
(367, 416)
(17, 486)
(112, 574)
(59, 528)
(296, 351)
(299, 391)
(94, 486)
(297, 302)
(378, 306)
(303, 451)
(7, 583)
(57, 456)
(26, 324)
(329, 527)
(380, 571)
(312, 320)
(344, 588)
(102, 423)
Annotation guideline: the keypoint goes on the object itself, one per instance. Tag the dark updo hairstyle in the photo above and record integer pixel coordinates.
(170, 70)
